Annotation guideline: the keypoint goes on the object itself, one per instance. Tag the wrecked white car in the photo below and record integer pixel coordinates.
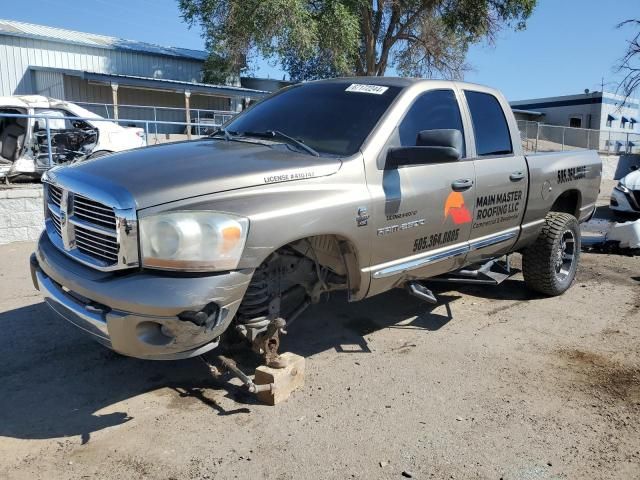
(24, 146)
(626, 195)
(603, 235)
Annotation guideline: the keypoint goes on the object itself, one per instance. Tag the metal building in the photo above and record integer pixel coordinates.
(613, 120)
(84, 67)
(596, 110)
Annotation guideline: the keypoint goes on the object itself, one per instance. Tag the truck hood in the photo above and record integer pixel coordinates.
(165, 173)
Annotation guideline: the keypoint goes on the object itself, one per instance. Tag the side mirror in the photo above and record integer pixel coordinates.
(432, 146)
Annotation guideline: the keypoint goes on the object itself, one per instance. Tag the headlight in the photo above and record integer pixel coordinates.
(621, 188)
(192, 240)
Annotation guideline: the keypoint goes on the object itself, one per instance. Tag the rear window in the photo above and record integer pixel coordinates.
(332, 118)
(489, 124)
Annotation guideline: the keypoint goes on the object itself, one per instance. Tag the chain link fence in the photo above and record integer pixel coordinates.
(539, 137)
(208, 119)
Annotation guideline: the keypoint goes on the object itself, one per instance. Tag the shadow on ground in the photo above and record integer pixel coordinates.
(57, 382)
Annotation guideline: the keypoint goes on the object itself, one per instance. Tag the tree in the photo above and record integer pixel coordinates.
(317, 38)
(630, 62)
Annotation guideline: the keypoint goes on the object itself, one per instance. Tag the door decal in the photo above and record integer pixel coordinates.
(455, 208)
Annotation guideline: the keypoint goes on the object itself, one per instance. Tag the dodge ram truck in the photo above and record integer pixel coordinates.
(358, 185)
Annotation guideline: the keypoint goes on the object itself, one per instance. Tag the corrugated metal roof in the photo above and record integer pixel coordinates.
(159, 83)
(527, 112)
(42, 32)
(143, 81)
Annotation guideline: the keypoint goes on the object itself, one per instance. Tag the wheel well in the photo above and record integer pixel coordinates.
(569, 202)
(334, 252)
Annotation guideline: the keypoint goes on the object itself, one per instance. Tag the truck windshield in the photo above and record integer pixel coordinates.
(331, 118)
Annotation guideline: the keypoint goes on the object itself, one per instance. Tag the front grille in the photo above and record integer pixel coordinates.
(97, 244)
(55, 195)
(90, 232)
(94, 212)
(56, 224)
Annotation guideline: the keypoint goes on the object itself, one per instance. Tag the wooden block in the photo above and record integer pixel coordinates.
(285, 380)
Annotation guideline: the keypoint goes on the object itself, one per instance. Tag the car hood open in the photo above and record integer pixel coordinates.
(170, 172)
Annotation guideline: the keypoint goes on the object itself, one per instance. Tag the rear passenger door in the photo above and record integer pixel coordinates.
(501, 178)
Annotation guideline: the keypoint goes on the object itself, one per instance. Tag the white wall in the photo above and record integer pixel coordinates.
(21, 214)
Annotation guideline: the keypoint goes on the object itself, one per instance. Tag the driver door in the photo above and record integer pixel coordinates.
(423, 215)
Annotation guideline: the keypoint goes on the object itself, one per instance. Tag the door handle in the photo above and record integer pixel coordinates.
(516, 176)
(462, 184)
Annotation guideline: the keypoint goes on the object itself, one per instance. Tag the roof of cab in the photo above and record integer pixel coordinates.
(402, 82)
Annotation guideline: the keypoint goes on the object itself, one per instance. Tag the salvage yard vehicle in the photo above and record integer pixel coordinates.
(24, 146)
(625, 197)
(358, 185)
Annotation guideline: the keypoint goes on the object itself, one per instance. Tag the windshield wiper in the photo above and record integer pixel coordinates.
(228, 136)
(282, 136)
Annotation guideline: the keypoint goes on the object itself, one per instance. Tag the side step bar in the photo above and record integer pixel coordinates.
(492, 272)
(420, 291)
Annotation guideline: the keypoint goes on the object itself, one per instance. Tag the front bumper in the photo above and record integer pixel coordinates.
(136, 313)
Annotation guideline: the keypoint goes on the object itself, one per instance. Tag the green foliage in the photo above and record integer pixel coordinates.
(318, 38)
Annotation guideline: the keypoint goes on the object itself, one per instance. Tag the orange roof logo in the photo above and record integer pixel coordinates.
(454, 207)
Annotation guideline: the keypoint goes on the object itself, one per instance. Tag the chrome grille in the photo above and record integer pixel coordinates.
(90, 231)
(56, 224)
(97, 244)
(55, 195)
(94, 212)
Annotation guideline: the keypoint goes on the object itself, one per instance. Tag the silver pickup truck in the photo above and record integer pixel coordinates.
(360, 185)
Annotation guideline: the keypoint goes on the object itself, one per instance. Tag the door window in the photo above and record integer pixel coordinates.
(437, 109)
(489, 124)
(57, 120)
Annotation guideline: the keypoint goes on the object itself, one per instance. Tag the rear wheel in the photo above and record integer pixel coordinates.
(549, 265)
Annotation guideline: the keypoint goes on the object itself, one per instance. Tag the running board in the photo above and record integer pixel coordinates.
(492, 272)
(420, 291)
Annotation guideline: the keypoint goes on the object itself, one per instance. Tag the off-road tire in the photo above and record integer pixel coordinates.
(540, 261)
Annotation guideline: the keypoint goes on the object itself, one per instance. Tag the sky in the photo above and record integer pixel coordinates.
(567, 47)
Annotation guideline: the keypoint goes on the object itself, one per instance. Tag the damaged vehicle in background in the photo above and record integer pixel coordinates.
(625, 197)
(24, 147)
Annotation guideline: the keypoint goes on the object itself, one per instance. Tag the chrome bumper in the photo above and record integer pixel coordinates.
(83, 316)
(99, 304)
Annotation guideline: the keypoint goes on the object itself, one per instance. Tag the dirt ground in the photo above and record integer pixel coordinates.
(491, 383)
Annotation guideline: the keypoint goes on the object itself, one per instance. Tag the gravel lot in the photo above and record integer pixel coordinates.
(491, 383)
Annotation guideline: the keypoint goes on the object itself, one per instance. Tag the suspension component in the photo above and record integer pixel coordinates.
(282, 288)
(268, 343)
(231, 366)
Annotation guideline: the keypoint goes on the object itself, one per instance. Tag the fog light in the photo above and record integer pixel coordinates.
(151, 333)
(614, 202)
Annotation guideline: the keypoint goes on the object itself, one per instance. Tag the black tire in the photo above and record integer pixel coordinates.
(549, 265)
